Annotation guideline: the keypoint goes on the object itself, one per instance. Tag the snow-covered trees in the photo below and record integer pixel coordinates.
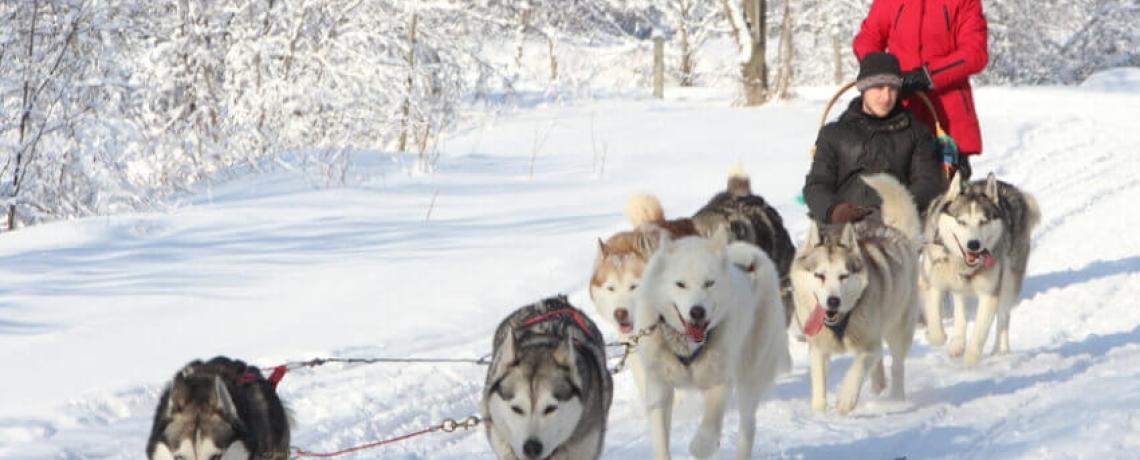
(108, 105)
(1078, 38)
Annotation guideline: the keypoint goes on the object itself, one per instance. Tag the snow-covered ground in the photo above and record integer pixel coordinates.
(96, 314)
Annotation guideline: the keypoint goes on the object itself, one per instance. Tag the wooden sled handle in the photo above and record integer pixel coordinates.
(846, 86)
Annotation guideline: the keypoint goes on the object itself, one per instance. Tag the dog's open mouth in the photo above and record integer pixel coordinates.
(696, 331)
(820, 317)
(625, 328)
(974, 258)
(832, 317)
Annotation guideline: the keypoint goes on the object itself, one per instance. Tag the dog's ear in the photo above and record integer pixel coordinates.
(992, 187)
(603, 252)
(849, 239)
(955, 187)
(814, 239)
(222, 401)
(507, 353)
(177, 396)
(565, 355)
(719, 239)
(649, 239)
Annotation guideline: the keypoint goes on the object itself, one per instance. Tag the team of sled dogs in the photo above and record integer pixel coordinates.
(707, 302)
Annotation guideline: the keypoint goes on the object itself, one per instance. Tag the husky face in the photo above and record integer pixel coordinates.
(617, 273)
(200, 422)
(536, 403)
(693, 273)
(833, 270)
(970, 222)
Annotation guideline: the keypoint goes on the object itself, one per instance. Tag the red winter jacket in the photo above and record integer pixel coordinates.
(949, 37)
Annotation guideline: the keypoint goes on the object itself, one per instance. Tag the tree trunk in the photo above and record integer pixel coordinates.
(520, 37)
(686, 12)
(406, 110)
(658, 67)
(553, 60)
(787, 54)
(837, 57)
(25, 117)
(755, 71)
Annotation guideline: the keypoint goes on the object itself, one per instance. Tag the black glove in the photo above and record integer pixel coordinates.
(844, 212)
(916, 79)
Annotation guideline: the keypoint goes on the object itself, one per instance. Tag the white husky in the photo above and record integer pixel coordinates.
(714, 327)
(978, 238)
(861, 282)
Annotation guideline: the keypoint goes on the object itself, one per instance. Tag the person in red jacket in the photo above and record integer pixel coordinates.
(939, 43)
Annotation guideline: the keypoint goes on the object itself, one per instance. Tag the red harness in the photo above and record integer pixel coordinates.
(577, 317)
(274, 377)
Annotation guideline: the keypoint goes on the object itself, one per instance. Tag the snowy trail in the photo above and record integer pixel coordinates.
(96, 314)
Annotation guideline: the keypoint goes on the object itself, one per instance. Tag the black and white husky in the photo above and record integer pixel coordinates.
(977, 245)
(221, 409)
(548, 391)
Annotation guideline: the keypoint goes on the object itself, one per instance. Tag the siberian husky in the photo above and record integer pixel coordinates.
(977, 244)
(861, 282)
(548, 392)
(220, 409)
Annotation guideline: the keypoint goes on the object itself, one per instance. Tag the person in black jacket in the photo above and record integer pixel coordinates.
(874, 135)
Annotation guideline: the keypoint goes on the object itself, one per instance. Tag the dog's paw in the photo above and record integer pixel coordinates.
(956, 347)
(819, 405)
(972, 357)
(704, 444)
(846, 404)
(935, 338)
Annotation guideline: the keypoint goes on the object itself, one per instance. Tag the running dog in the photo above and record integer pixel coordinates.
(856, 286)
(713, 325)
(977, 244)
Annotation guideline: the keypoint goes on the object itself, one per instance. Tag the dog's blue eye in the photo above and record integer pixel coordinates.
(610, 288)
(709, 283)
(819, 276)
(549, 410)
(842, 277)
(517, 410)
(681, 284)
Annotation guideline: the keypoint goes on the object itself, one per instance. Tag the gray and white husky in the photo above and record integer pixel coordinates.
(856, 286)
(548, 391)
(977, 244)
(714, 321)
(221, 409)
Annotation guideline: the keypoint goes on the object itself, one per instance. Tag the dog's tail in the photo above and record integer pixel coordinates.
(644, 208)
(899, 210)
(739, 184)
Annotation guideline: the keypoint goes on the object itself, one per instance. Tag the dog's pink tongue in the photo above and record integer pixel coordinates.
(695, 332)
(987, 259)
(814, 322)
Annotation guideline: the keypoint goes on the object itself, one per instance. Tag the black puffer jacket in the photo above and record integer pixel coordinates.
(859, 144)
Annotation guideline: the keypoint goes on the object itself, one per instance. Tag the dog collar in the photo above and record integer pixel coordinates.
(686, 360)
(839, 327)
